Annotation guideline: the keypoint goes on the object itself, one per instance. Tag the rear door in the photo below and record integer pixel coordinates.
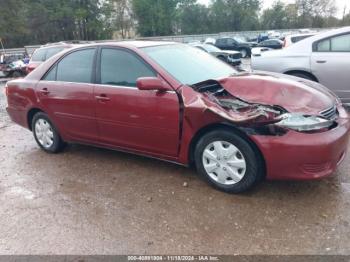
(147, 121)
(66, 94)
(330, 63)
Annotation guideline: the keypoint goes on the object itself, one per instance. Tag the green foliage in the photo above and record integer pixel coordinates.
(42, 21)
(193, 18)
(155, 17)
(12, 30)
(235, 15)
(25, 22)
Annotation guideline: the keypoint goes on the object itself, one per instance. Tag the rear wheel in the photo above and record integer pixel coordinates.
(16, 74)
(222, 58)
(45, 134)
(228, 162)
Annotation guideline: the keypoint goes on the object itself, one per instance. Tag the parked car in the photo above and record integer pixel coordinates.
(14, 69)
(271, 43)
(235, 43)
(228, 56)
(41, 54)
(323, 58)
(210, 40)
(292, 39)
(12, 65)
(177, 103)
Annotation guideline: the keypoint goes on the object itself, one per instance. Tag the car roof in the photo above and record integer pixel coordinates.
(306, 44)
(305, 34)
(136, 43)
(55, 46)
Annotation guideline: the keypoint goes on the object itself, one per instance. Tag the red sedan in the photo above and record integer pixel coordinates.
(176, 103)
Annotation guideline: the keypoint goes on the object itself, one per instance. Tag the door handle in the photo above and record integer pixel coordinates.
(321, 61)
(44, 91)
(102, 98)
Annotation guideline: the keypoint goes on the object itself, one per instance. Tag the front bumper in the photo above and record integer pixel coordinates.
(301, 156)
(234, 62)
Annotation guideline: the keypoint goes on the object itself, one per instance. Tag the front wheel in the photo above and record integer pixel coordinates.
(228, 162)
(45, 134)
(302, 75)
(244, 53)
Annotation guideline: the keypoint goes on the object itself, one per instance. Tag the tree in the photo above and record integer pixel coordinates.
(235, 15)
(275, 17)
(155, 17)
(193, 18)
(312, 11)
(12, 22)
(122, 17)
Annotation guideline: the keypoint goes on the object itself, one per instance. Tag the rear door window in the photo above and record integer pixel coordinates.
(340, 43)
(53, 51)
(39, 55)
(76, 67)
(335, 44)
(324, 46)
(222, 41)
(230, 41)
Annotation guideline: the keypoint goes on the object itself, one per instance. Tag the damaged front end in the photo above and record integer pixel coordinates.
(257, 118)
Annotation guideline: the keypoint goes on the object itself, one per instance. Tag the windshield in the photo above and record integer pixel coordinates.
(239, 39)
(211, 48)
(189, 65)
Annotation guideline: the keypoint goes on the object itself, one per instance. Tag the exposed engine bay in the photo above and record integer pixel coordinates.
(259, 116)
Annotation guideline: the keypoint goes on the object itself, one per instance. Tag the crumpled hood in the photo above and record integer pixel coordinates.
(294, 94)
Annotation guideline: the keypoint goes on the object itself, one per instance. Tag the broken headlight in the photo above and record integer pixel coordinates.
(301, 122)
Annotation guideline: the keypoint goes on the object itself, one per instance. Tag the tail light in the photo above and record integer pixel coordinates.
(6, 90)
(30, 68)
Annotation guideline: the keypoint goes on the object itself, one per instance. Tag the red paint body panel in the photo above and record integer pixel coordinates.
(163, 124)
(269, 89)
(32, 66)
(142, 120)
(298, 156)
(71, 106)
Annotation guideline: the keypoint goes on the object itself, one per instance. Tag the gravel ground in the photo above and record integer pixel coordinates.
(96, 201)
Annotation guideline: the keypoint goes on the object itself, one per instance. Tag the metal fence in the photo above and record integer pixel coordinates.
(181, 38)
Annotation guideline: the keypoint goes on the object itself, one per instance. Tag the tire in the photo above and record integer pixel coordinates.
(244, 161)
(16, 74)
(222, 58)
(302, 75)
(6, 74)
(244, 52)
(46, 134)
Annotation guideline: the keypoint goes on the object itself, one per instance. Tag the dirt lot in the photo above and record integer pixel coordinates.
(96, 201)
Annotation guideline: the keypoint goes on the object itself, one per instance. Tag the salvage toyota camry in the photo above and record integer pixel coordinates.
(174, 102)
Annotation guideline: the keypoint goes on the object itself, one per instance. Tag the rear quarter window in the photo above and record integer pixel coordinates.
(299, 38)
(53, 51)
(39, 55)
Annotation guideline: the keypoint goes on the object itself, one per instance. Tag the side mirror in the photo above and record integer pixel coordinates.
(152, 83)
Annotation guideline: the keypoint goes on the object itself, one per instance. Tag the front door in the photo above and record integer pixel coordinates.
(146, 121)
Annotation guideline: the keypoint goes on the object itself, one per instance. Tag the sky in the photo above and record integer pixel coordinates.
(268, 3)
